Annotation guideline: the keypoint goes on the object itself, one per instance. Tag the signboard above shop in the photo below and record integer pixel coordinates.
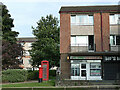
(86, 57)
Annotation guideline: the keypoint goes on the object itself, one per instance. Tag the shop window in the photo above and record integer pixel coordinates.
(83, 73)
(83, 66)
(75, 70)
(95, 69)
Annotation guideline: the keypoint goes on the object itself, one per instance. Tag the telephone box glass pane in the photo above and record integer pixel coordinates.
(44, 71)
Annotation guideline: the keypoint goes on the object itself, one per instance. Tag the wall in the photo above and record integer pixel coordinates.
(64, 45)
(64, 33)
(82, 30)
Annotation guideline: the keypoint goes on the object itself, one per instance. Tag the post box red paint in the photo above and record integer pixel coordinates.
(45, 66)
(40, 74)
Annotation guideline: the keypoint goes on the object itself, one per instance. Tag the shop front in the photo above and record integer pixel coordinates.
(86, 68)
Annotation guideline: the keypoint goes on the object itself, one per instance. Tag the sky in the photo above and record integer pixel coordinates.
(26, 13)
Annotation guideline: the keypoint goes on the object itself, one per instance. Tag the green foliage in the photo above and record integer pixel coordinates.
(10, 49)
(52, 73)
(14, 75)
(47, 46)
(7, 24)
(33, 75)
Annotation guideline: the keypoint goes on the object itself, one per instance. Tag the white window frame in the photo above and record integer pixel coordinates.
(115, 40)
(76, 41)
(77, 20)
(115, 19)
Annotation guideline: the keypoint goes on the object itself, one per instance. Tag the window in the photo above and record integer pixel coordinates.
(95, 69)
(79, 40)
(75, 70)
(114, 19)
(73, 18)
(114, 40)
(117, 40)
(81, 20)
(26, 53)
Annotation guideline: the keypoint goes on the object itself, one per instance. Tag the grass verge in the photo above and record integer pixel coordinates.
(34, 84)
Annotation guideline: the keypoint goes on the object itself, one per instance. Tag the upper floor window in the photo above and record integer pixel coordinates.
(79, 40)
(26, 53)
(81, 20)
(115, 19)
(114, 40)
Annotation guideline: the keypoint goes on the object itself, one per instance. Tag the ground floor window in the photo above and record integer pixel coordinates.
(75, 69)
(86, 69)
(95, 69)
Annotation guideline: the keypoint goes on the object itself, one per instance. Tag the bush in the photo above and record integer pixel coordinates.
(33, 75)
(52, 72)
(14, 75)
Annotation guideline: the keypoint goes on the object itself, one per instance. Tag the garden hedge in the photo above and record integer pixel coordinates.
(34, 75)
(21, 75)
(14, 75)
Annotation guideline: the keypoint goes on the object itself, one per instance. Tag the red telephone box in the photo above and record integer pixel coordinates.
(45, 66)
(40, 74)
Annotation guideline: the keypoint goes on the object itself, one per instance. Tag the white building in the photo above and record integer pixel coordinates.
(26, 42)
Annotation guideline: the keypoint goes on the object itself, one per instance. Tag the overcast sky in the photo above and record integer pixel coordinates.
(27, 12)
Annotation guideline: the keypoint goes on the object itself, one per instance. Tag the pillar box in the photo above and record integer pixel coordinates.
(40, 74)
(45, 66)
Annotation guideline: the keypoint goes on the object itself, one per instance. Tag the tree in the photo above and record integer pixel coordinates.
(7, 24)
(10, 49)
(47, 45)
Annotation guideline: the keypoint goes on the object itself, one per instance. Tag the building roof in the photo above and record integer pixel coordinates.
(90, 9)
(26, 39)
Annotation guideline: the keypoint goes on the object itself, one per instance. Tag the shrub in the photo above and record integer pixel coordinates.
(52, 72)
(14, 75)
(33, 75)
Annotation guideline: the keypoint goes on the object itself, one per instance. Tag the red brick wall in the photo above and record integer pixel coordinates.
(65, 66)
(65, 33)
(97, 31)
(105, 31)
(101, 41)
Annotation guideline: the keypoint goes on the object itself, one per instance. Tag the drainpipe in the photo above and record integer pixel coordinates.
(101, 32)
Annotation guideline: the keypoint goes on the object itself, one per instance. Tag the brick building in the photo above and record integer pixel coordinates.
(90, 42)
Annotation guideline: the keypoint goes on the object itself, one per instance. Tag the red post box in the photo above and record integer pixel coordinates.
(45, 65)
(40, 74)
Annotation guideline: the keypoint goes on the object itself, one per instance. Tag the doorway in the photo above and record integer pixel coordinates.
(91, 42)
(83, 71)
